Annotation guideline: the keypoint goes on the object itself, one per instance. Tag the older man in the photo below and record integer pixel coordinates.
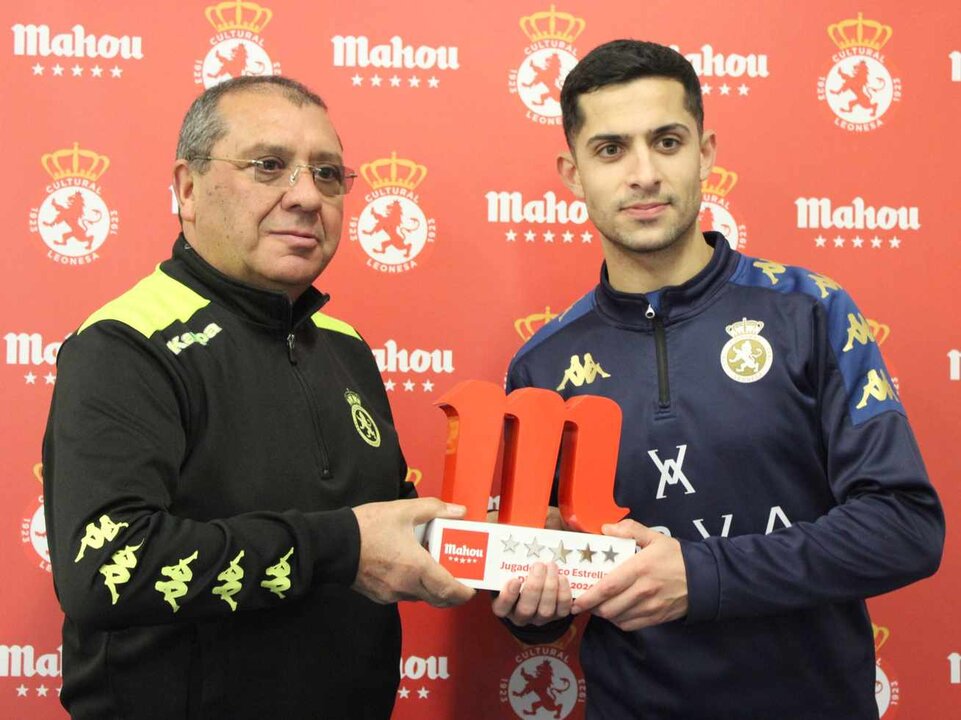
(229, 522)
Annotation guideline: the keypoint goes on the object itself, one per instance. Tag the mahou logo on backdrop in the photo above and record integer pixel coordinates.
(37, 673)
(859, 88)
(856, 224)
(547, 60)
(726, 74)
(542, 684)
(393, 64)
(73, 220)
(409, 366)
(716, 210)
(526, 218)
(237, 48)
(955, 57)
(75, 53)
(392, 230)
(419, 675)
(33, 529)
(31, 351)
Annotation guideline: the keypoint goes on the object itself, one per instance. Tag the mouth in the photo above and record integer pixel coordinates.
(645, 210)
(296, 238)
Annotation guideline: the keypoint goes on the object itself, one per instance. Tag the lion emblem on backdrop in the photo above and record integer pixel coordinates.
(235, 62)
(709, 221)
(76, 216)
(396, 226)
(550, 75)
(544, 685)
(858, 82)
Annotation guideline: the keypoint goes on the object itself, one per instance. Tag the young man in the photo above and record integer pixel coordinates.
(229, 522)
(772, 479)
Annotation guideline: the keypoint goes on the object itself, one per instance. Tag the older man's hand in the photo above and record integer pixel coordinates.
(393, 565)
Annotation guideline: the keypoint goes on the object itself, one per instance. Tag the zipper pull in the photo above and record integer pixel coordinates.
(290, 349)
(649, 313)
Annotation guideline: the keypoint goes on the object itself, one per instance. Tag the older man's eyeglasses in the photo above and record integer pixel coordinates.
(332, 180)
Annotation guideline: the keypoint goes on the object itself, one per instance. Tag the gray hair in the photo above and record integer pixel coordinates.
(203, 125)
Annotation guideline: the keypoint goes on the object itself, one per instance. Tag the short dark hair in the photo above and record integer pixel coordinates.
(621, 61)
(203, 125)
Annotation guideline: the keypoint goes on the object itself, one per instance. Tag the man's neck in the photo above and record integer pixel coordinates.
(643, 272)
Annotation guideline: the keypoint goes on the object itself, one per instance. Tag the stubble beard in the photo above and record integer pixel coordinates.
(669, 236)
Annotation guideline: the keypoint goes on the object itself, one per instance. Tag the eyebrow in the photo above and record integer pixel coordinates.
(653, 133)
(272, 149)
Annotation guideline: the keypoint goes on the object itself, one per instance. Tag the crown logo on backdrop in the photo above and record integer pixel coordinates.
(527, 326)
(75, 162)
(38, 472)
(879, 330)
(720, 182)
(393, 172)
(238, 15)
(744, 327)
(881, 635)
(552, 25)
(858, 32)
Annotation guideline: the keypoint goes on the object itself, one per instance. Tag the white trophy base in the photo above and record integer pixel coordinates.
(486, 555)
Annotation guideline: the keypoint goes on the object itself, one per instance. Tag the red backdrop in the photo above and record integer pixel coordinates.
(457, 102)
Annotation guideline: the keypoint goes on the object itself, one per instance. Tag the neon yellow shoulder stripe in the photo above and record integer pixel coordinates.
(326, 322)
(151, 305)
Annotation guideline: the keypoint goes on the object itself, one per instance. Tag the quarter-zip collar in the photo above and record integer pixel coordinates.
(676, 302)
(268, 308)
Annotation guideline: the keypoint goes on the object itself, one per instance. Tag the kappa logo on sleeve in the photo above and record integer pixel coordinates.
(279, 576)
(464, 553)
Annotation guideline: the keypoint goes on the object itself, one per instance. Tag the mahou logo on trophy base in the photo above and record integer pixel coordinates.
(886, 690)
(542, 683)
(237, 48)
(859, 88)
(33, 529)
(716, 210)
(392, 230)
(548, 59)
(73, 220)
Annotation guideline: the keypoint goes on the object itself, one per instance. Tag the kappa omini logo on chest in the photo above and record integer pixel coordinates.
(581, 372)
(747, 356)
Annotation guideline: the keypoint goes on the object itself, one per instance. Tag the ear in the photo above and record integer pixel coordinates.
(567, 169)
(708, 153)
(184, 190)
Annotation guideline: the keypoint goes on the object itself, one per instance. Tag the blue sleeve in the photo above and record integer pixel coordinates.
(887, 527)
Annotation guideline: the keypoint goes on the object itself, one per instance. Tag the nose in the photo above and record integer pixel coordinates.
(302, 193)
(643, 170)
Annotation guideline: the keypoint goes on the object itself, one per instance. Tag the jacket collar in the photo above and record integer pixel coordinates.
(677, 301)
(263, 307)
